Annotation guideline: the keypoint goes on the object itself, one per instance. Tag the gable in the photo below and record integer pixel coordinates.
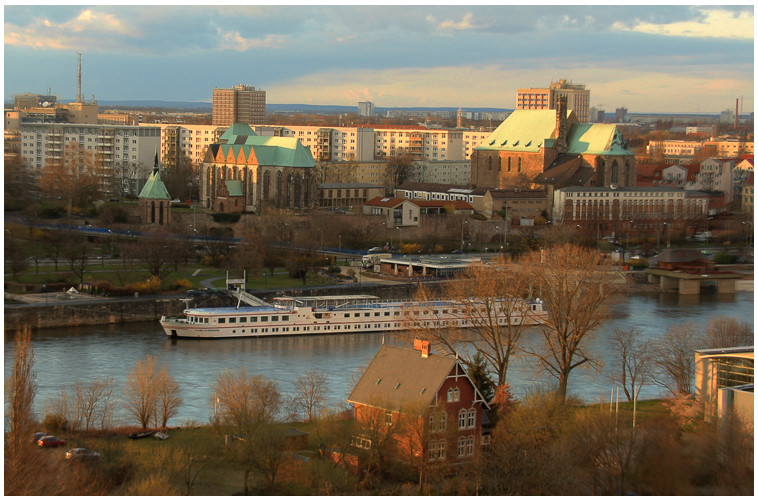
(597, 139)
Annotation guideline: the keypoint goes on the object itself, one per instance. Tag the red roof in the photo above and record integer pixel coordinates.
(386, 201)
(650, 170)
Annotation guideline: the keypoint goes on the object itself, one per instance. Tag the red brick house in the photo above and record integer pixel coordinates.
(423, 403)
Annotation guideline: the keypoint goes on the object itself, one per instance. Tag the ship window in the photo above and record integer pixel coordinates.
(347, 315)
(222, 320)
(243, 319)
(376, 314)
(275, 318)
(253, 319)
(285, 318)
(386, 313)
(366, 314)
(232, 320)
(264, 319)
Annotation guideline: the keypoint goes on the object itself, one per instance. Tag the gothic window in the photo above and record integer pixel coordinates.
(519, 164)
(266, 185)
(152, 213)
(615, 172)
(509, 164)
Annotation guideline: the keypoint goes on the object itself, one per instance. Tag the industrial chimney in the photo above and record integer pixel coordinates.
(736, 112)
(79, 98)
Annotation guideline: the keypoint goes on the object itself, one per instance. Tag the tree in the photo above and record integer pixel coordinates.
(674, 358)
(398, 170)
(574, 288)
(16, 253)
(631, 359)
(169, 398)
(20, 389)
(248, 255)
(243, 400)
(726, 332)
(74, 178)
(18, 184)
(182, 179)
(93, 403)
(484, 289)
(150, 393)
(159, 253)
(311, 393)
(75, 250)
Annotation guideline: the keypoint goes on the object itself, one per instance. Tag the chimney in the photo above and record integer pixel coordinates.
(560, 120)
(736, 112)
(423, 346)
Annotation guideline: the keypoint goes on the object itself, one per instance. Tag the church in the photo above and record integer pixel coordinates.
(550, 148)
(247, 172)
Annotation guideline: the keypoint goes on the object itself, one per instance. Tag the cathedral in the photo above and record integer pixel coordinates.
(533, 148)
(269, 172)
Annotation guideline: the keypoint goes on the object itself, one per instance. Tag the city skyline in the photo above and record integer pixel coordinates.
(671, 59)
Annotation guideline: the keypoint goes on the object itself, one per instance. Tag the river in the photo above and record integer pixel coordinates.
(63, 356)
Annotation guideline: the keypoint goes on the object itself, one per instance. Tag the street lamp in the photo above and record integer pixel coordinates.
(750, 235)
(339, 247)
(464, 222)
(668, 227)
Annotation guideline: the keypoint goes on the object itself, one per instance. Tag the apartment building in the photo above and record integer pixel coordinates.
(678, 150)
(238, 104)
(442, 171)
(420, 143)
(347, 195)
(673, 148)
(715, 175)
(328, 144)
(479, 198)
(472, 139)
(577, 98)
(630, 211)
(366, 109)
(115, 148)
(731, 148)
(190, 140)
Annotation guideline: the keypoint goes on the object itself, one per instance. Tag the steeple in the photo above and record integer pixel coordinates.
(155, 165)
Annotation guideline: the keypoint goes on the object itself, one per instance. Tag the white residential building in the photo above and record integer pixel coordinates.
(715, 175)
(115, 147)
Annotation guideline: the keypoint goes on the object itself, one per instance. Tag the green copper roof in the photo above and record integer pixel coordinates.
(523, 130)
(597, 139)
(234, 187)
(269, 150)
(154, 188)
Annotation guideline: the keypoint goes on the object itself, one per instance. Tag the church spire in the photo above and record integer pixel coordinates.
(155, 166)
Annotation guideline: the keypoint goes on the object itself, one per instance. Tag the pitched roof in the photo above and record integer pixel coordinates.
(566, 170)
(523, 130)
(241, 141)
(399, 378)
(386, 201)
(597, 139)
(154, 188)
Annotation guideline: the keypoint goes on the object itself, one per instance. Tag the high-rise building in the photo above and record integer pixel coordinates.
(577, 99)
(366, 109)
(240, 104)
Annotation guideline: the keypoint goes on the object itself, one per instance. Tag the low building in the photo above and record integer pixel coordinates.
(479, 198)
(431, 394)
(347, 195)
(423, 267)
(154, 200)
(397, 212)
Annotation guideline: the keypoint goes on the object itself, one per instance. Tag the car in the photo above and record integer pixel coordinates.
(50, 441)
(82, 454)
(38, 435)
(375, 249)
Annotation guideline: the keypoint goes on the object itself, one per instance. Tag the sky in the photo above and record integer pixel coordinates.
(647, 58)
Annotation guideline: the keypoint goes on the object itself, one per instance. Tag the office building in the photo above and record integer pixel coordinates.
(577, 99)
(239, 104)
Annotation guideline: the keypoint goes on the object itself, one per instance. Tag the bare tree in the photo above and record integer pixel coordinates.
(243, 400)
(141, 390)
(75, 250)
(74, 178)
(311, 393)
(20, 389)
(575, 289)
(726, 332)
(674, 358)
(631, 361)
(169, 397)
(159, 253)
(486, 293)
(93, 403)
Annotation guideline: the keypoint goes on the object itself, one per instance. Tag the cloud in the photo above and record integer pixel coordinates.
(89, 28)
(465, 24)
(709, 23)
(233, 40)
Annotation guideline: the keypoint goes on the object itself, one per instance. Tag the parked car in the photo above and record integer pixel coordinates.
(50, 441)
(38, 435)
(82, 454)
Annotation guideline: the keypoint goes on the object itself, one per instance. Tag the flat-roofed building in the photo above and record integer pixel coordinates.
(347, 195)
(577, 98)
(724, 380)
(239, 104)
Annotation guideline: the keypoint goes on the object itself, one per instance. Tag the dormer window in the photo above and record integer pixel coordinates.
(453, 394)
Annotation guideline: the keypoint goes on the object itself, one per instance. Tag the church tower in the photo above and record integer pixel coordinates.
(154, 200)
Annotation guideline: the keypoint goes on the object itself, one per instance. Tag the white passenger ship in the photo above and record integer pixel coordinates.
(318, 315)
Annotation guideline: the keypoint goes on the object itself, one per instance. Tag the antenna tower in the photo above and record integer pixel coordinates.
(79, 97)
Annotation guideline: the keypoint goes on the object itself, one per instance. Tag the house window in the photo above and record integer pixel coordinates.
(470, 445)
(471, 419)
(462, 415)
(461, 447)
(388, 418)
(453, 394)
(437, 449)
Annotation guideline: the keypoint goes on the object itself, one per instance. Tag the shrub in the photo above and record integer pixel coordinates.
(149, 286)
(334, 270)
(182, 283)
(222, 217)
(724, 258)
(54, 423)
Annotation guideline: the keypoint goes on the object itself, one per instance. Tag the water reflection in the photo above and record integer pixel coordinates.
(64, 356)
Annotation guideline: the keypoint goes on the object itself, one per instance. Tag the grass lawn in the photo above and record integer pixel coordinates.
(117, 274)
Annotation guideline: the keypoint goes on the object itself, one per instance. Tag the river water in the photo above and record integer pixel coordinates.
(63, 356)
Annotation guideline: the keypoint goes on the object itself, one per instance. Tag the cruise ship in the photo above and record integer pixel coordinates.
(320, 315)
